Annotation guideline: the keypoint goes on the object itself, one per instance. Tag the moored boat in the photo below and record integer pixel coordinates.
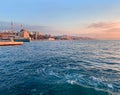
(21, 40)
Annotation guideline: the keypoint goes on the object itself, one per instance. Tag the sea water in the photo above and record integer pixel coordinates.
(84, 67)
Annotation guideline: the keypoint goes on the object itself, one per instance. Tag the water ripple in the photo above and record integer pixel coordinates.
(48, 68)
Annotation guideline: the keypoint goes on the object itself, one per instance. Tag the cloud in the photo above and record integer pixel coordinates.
(17, 27)
(113, 30)
(104, 30)
(105, 25)
(38, 28)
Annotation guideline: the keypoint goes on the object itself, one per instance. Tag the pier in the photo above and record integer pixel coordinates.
(10, 43)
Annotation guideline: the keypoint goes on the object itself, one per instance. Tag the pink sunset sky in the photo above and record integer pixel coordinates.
(101, 30)
(92, 18)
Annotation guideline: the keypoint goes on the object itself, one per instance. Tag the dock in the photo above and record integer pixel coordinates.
(10, 43)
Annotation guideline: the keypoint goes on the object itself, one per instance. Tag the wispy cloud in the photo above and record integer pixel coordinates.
(104, 30)
(17, 26)
(104, 25)
(38, 28)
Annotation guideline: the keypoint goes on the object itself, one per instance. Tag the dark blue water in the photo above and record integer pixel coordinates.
(61, 68)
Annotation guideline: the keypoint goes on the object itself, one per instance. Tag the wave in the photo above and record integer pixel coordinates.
(38, 88)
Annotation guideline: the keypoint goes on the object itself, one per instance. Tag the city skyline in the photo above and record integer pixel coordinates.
(92, 18)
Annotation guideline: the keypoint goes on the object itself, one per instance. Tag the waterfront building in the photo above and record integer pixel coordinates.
(24, 33)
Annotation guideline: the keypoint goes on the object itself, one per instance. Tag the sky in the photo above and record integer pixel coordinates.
(92, 18)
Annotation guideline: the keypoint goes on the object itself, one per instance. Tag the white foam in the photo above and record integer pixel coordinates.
(110, 86)
(72, 82)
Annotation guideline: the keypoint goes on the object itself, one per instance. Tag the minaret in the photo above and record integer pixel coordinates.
(36, 35)
(21, 26)
(12, 27)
